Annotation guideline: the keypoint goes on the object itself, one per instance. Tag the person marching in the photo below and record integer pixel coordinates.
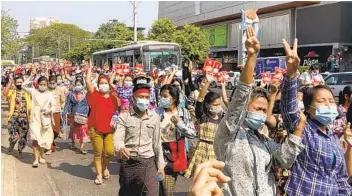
(20, 106)
(175, 125)
(59, 104)
(137, 141)
(208, 113)
(239, 142)
(76, 102)
(41, 119)
(103, 107)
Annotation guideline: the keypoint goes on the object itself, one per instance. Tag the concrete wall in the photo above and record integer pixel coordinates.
(184, 12)
(329, 23)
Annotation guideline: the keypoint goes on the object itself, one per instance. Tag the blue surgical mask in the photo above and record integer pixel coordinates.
(78, 88)
(255, 120)
(326, 114)
(142, 104)
(165, 102)
(300, 105)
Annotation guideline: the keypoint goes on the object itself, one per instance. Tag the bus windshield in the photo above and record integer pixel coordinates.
(161, 60)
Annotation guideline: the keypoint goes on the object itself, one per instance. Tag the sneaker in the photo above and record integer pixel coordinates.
(35, 164)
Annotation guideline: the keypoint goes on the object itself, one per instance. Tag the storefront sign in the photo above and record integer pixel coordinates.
(267, 65)
(310, 59)
(216, 35)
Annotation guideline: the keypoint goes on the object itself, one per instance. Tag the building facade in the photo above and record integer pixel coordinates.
(37, 23)
(322, 28)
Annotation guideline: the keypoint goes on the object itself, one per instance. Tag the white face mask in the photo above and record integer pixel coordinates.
(104, 88)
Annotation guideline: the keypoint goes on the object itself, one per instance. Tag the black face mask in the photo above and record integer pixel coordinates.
(19, 87)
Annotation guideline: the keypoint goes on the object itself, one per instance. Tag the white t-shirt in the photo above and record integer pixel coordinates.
(308, 77)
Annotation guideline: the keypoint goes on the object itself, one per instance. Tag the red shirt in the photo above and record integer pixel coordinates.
(101, 111)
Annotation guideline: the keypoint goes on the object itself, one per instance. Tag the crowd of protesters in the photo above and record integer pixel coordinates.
(289, 137)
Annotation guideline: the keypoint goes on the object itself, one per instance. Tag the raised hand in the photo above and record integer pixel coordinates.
(209, 77)
(274, 86)
(252, 43)
(292, 59)
(348, 134)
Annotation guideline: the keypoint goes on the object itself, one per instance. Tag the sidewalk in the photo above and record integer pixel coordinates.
(8, 163)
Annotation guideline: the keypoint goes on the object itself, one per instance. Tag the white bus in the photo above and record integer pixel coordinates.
(150, 54)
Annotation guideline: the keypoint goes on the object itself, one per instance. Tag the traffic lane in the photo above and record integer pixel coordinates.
(66, 173)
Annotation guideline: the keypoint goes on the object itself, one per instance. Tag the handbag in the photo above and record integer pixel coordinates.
(80, 119)
(46, 121)
(175, 154)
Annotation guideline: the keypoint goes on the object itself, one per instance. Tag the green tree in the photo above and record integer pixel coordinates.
(193, 42)
(9, 37)
(116, 30)
(56, 39)
(162, 30)
(84, 50)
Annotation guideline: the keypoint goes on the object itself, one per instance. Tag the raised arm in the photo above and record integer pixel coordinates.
(8, 87)
(90, 87)
(288, 102)
(224, 94)
(271, 120)
(237, 108)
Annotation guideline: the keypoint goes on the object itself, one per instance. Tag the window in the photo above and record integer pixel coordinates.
(331, 80)
(345, 79)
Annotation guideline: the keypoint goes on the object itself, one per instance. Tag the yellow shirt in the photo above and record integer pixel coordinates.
(59, 96)
(11, 97)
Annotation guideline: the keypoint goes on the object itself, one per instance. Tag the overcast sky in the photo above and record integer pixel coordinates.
(88, 15)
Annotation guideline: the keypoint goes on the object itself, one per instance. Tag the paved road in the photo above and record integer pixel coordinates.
(67, 173)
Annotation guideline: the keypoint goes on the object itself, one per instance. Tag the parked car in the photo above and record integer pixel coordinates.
(325, 74)
(232, 82)
(338, 81)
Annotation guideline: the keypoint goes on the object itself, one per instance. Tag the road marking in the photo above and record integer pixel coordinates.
(52, 184)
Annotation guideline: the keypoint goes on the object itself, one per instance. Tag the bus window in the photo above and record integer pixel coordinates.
(161, 60)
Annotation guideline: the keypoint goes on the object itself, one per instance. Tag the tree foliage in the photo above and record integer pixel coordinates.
(162, 30)
(194, 44)
(9, 37)
(116, 30)
(56, 39)
(84, 50)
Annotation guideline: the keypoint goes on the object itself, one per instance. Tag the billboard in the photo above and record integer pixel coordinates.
(269, 64)
(217, 35)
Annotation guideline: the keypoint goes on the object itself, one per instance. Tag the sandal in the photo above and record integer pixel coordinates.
(98, 181)
(106, 174)
(83, 152)
(35, 164)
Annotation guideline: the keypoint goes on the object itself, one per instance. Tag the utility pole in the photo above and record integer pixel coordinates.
(32, 53)
(134, 20)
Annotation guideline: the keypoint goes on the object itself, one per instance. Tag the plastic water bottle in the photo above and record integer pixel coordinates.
(114, 120)
(159, 177)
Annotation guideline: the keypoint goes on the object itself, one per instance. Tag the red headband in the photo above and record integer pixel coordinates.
(103, 77)
(142, 90)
